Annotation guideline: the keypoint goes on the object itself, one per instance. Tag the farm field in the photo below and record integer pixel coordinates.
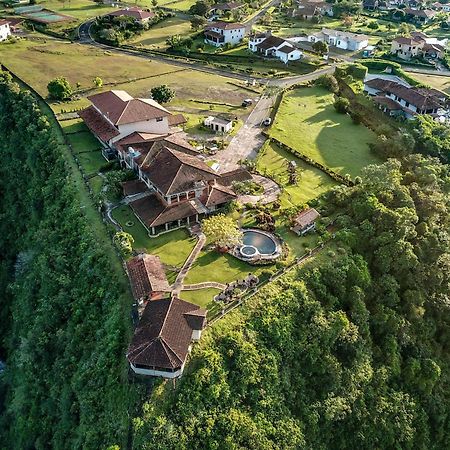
(436, 81)
(308, 122)
(312, 182)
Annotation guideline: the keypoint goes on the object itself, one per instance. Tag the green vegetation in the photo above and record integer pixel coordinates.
(65, 302)
(59, 89)
(273, 161)
(358, 342)
(201, 297)
(307, 121)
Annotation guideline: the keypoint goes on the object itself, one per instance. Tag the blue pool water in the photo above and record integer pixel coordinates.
(264, 244)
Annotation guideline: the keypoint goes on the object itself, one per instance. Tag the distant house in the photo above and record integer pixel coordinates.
(219, 9)
(221, 33)
(307, 9)
(419, 44)
(268, 45)
(139, 15)
(305, 221)
(5, 30)
(218, 124)
(162, 340)
(397, 99)
(420, 16)
(147, 277)
(340, 39)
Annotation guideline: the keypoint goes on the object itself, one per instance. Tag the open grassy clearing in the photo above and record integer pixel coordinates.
(308, 122)
(201, 297)
(436, 81)
(173, 248)
(73, 126)
(83, 141)
(157, 35)
(182, 5)
(312, 182)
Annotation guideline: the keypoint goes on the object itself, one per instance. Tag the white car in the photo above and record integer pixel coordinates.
(267, 122)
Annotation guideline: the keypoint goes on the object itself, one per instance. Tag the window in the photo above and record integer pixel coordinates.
(159, 119)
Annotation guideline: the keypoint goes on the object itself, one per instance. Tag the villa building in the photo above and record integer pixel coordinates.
(418, 45)
(340, 39)
(397, 99)
(218, 124)
(139, 15)
(221, 33)
(420, 16)
(163, 338)
(307, 9)
(5, 30)
(265, 44)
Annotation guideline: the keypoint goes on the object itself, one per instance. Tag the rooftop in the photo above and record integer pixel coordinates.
(226, 25)
(135, 12)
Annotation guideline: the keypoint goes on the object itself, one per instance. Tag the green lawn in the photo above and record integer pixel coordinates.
(91, 161)
(308, 122)
(157, 35)
(173, 248)
(83, 141)
(223, 268)
(201, 297)
(73, 126)
(96, 184)
(182, 5)
(312, 182)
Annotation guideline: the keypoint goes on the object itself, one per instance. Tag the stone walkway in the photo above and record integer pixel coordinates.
(204, 285)
(178, 285)
(271, 192)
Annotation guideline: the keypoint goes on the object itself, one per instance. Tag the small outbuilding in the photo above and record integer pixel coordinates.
(218, 124)
(305, 221)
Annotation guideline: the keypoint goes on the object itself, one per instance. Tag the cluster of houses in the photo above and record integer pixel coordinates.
(176, 188)
(265, 44)
(308, 9)
(340, 39)
(418, 45)
(411, 8)
(398, 98)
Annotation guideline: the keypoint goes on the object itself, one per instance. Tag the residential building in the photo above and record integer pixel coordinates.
(218, 124)
(139, 15)
(397, 99)
(268, 45)
(163, 337)
(418, 45)
(307, 9)
(219, 9)
(5, 30)
(420, 16)
(221, 33)
(340, 39)
(115, 115)
(147, 277)
(305, 221)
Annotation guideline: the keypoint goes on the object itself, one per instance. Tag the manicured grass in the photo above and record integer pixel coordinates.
(182, 5)
(157, 35)
(436, 81)
(96, 184)
(308, 122)
(91, 161)
(73, 126)
(211, 265)
(173, 248)
(83, 141)
(311, 183)
(201, 297)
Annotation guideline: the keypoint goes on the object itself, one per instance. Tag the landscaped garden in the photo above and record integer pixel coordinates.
(308, 122)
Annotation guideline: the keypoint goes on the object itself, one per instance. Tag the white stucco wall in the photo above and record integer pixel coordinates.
(157, 373)
(4, 32)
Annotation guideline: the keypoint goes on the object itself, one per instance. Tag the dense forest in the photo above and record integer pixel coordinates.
(65, 315)
(351, 352)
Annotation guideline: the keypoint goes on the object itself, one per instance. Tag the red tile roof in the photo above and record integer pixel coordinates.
(176, 119)
(219, 195)
(146, 275)
(134, 12)
(306, 217)
(226, 25)
(164, 333)
(98, 124)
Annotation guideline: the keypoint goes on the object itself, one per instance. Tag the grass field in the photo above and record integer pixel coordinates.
(173, 248)
(83, 141)
(182, 5)
(156, 36)
(308, 122)
(312, 182)
(437, 81)
(201, 297)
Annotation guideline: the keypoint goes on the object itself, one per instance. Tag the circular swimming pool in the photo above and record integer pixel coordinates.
(254, 242)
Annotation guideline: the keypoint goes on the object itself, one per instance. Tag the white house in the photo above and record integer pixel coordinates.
(340, 39)
(268, 45)
(221, 33)
(5, 31)
(218, 124)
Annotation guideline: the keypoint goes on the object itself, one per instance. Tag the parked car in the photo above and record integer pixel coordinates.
(267, 122)
(247, 102)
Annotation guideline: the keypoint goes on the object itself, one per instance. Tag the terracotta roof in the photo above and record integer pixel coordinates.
(176, 119)
(4, 22)
(226, 25)
(173, 172)
(146, 275)
(306, 217)
(228, 178)
(134, 12)
(390, 104)
(121, 108)
(164, 333)
(154, 213)
(406, 41)
(133, 187)
(219, 195)
(424, 13)
(98, 124)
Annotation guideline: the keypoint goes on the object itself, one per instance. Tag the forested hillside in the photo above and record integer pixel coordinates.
(64, 311)
(349, 353)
